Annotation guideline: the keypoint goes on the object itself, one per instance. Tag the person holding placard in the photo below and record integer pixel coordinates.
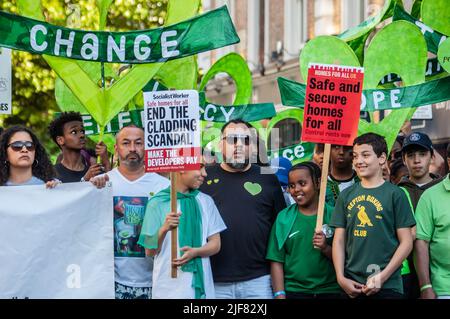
(199, 227)
(300, 271)
(372, 221)
(67, 131)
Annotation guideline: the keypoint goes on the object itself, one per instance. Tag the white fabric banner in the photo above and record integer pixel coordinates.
(56, 243)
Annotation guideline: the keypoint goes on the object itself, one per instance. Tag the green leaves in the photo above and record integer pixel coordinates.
(103, 6)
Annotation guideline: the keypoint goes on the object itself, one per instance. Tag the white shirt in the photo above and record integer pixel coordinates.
(130, 198)
(165, 287)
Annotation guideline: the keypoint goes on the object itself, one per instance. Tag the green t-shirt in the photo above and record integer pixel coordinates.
(433, 226)
(306, 269)
(371, 217)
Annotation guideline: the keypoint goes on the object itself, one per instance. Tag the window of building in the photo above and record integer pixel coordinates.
(324, 17)
(295, 34)
(289, 133)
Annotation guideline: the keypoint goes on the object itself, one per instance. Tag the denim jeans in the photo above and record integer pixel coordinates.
(258, 288)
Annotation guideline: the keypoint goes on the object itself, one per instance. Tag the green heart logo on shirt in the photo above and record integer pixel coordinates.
(253, 188)
(216, 180)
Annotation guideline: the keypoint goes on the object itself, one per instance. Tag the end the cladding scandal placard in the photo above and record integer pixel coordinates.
(172, 131)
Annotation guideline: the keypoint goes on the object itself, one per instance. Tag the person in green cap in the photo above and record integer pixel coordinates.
(199, 225)
(301, 265)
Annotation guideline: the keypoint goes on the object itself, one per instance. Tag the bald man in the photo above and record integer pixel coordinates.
(132, 188)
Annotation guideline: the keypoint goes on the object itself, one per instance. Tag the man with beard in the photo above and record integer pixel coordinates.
(132, 188)
(67, 131)
(248, 198)
(341, 174)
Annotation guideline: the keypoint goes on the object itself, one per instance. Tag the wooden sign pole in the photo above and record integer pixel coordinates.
(323, 187)
(174, 232)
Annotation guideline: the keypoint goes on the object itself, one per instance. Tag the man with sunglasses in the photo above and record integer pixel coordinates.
(67, 131)
(248, 198)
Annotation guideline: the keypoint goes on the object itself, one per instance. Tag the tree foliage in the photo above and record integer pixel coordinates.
(33, 80)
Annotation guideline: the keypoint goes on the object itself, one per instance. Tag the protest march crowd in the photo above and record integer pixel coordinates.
(360, 220)
(246, 225)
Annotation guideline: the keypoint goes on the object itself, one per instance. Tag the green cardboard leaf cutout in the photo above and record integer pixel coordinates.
(66, 100)
(104, 104)
(436, 14)
(236, 67)
(444, 55)
(368, 25)
(356, 37)
(398, 48)
(103, 6)
(415, 11)
(327, 50)
(238, 70)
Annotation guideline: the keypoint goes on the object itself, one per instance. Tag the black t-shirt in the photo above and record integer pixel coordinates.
(248, 203)
(66, 175)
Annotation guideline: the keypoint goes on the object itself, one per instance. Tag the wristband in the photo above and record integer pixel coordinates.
(425, 287)
(279, 293)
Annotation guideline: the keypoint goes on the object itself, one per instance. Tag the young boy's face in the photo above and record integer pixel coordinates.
(366, 162)
(418, 161)
(194, 179)
(341, 156)
(74, 136)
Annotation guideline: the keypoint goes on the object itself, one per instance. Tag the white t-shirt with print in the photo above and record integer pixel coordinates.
(132, 267)
(165, 287)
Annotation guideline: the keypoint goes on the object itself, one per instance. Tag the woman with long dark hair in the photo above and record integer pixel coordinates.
(23, 159)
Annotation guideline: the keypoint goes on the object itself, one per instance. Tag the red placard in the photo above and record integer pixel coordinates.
(173, 159)
(332, 104)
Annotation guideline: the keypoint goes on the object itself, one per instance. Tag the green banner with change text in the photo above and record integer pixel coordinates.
(205, 32)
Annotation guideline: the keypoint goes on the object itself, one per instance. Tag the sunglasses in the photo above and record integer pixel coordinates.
(233, 139)
(17, 146)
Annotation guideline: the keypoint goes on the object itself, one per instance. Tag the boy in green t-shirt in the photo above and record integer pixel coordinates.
(299, 271)
(373, 223)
